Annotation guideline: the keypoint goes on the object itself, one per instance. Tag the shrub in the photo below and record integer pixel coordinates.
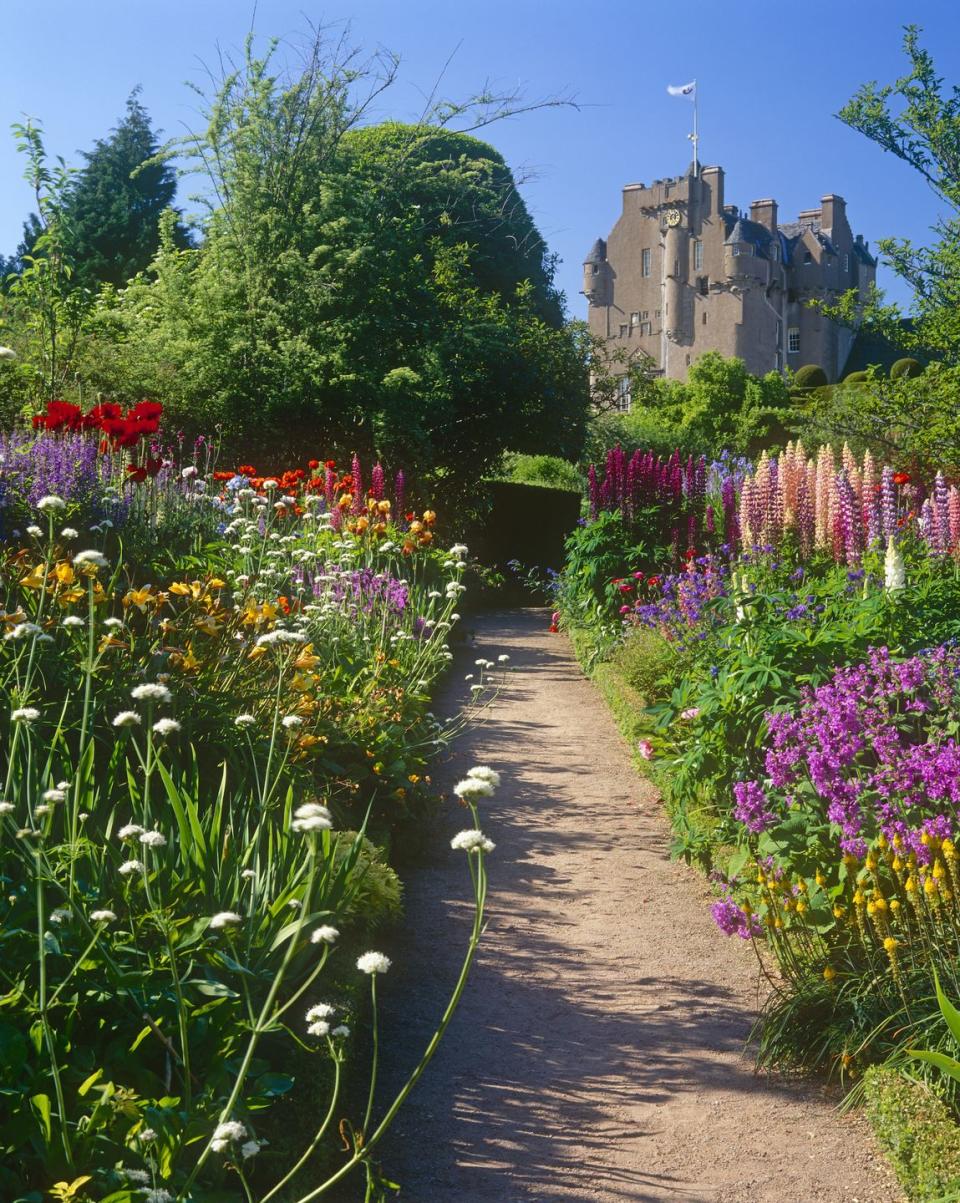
(856, 378)
(906, 367)
(810, 376)
(917, 1132)
(547, 470)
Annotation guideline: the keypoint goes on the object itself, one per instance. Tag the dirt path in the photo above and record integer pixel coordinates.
(598, 1052)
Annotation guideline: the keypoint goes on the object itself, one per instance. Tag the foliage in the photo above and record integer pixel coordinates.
(720, 406)
(385, 285)
(905, 367)
(917, 1132)
(916, 118)
(547, 470)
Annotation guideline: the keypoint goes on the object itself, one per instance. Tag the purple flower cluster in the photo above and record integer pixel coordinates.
(752, 807)
(733, 920)
(683, 604)
(875, 745)
(363, 591)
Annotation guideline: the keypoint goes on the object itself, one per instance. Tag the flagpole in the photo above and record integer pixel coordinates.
(696, 134)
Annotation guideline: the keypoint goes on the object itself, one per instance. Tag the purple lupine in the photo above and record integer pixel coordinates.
(377, 482)
(399, 493)
(850, 525)
(359, 501)
(710, 521)
(728, 499)
(888, 503)
(805, 522)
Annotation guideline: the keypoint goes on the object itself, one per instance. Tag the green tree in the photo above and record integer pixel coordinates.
(378, 288)
(916, 118)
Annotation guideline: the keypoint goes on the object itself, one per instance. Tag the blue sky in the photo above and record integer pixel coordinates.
(771, 77)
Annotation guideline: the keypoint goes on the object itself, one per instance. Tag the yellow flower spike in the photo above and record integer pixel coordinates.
(897, 864)
(871, 908)
(801, 906)
(839, 911)
(802, 886)
(850, 861)
(929, 886)
(910, 885)
(871, 863)
(898, 842)
(859, 898)
(894, 904)
(829, 973)
(925, 839)
(820, 879)
(778, 923)
(938, 871)
(880, 904)
(760, 879)
(882, 841)
(890, 944)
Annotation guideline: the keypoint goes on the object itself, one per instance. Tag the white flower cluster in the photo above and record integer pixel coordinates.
(225, 919)
(472, 840)
(311, 816)
(151, 693)
(324, 934)
(50, 503)
(231, 1131)
(373, 962)
(90, 559)
(480, 782)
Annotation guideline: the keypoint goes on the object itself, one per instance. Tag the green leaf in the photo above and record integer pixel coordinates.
(948, 1010)
(41, 1106)
(944, 1063)
(85, 1085)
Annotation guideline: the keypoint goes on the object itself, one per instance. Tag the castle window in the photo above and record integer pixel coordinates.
(704, 318)
(622, 402)
(793, 340)
(735, 249)
(645, 262)
(645, 314)
(635, 319)
(807, 257)
(624, 330)
(703, 285)
(697, 255)
(846, 263)
(656, 313)
(646, 328)
(596, 269)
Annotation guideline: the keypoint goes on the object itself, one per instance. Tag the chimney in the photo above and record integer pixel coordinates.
(764, 213)
(711, 178)
(832, 211)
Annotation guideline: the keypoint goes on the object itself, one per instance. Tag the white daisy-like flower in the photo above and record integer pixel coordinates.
(69, 534)
(50, 503)
(151, 693)
(472, 788)
(325, 934)
(127, 718)
(292, 721)
(130, 866)
(248, 874)
(90, 559)
(153, 839)
(244, 720)
(54, 795)
(26, 714)
(482, 772)
(320, 1028)
(72, 620)
(35, 531)
(166, 726)
(225, 919)
(113, 623)
(102, 916)
(373, 962)
(130, 830)
(158, 1194)
(320, 1011)
(434, 594)
(249, 1148)
(471, 840)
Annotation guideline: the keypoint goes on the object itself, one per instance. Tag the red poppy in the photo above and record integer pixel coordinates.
(139, 475)
(313, 464)
(246, 470)
(901, 478)
(331, 464)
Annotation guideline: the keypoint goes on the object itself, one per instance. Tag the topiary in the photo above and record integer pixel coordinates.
(856, 378)
(906, 367)
(811, 375)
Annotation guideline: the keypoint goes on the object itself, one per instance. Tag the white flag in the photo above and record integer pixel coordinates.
(682, 89)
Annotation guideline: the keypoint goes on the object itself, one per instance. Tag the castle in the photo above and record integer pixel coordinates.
(683, 273)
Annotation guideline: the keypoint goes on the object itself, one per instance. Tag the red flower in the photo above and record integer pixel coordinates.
(901, 478)
(653, 582)
(139, 475)
(331, 464)
(313, 464)
(246, 470)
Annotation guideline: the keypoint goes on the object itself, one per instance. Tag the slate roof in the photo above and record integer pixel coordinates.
(744, 230)
(598, 252)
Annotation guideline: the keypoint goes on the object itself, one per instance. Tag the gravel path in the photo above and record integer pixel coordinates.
(598, 1053)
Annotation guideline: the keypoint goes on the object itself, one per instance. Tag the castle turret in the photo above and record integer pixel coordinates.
(595, 274)
(675, 255)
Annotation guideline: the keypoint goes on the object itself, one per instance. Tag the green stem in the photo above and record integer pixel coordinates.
(312, 1147)
(45, 1021)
